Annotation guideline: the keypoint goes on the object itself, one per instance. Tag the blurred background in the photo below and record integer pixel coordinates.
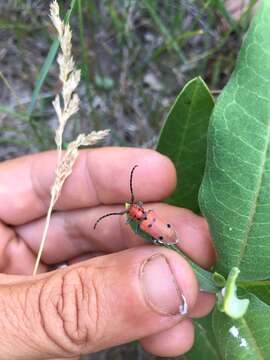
(135, 57)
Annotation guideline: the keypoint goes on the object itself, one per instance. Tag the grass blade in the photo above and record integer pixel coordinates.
(47, 64)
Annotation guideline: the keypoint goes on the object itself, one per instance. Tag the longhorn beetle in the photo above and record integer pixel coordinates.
(147, 221)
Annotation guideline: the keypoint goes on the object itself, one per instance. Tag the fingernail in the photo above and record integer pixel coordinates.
(160, 286)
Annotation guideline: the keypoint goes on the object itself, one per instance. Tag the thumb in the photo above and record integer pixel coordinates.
(96, 304)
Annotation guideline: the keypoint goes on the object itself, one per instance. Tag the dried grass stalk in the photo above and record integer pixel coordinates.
(70, 78)
(65, 167)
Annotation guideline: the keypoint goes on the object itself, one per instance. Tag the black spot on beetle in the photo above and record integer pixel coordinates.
(150, 225)
(160, 237)
(169, 226)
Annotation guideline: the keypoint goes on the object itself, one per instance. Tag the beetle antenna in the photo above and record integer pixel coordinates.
(130, 184)
(102, 217)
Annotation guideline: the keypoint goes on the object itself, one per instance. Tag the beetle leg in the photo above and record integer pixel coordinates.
(155, 241)
(160, 242)
(137, 229)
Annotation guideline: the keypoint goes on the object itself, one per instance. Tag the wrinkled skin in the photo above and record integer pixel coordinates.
(116, 288)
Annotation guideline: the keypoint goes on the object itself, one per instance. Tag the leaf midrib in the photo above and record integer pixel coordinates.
(254, 342)
(256, 197)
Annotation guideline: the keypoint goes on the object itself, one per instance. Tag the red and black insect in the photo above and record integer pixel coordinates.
(147, 221)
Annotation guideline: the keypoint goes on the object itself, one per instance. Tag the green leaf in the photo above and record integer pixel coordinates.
(235, 194)
(205, 345)
(246, 338)
(205, 278)
(47, 64)
(260, 288)
(183, 140)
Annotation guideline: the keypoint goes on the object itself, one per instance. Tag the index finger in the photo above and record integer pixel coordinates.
(100, 176)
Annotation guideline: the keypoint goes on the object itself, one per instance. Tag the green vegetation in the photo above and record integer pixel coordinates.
(135, 56)
(234, 196)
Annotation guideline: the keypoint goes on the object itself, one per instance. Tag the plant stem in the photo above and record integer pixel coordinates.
(45, 233)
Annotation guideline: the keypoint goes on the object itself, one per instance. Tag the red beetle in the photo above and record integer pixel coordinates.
(147, 220)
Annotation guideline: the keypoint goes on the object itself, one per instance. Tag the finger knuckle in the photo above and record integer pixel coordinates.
(69, 306)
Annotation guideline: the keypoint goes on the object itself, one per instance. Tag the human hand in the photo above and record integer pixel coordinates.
(125, 289)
